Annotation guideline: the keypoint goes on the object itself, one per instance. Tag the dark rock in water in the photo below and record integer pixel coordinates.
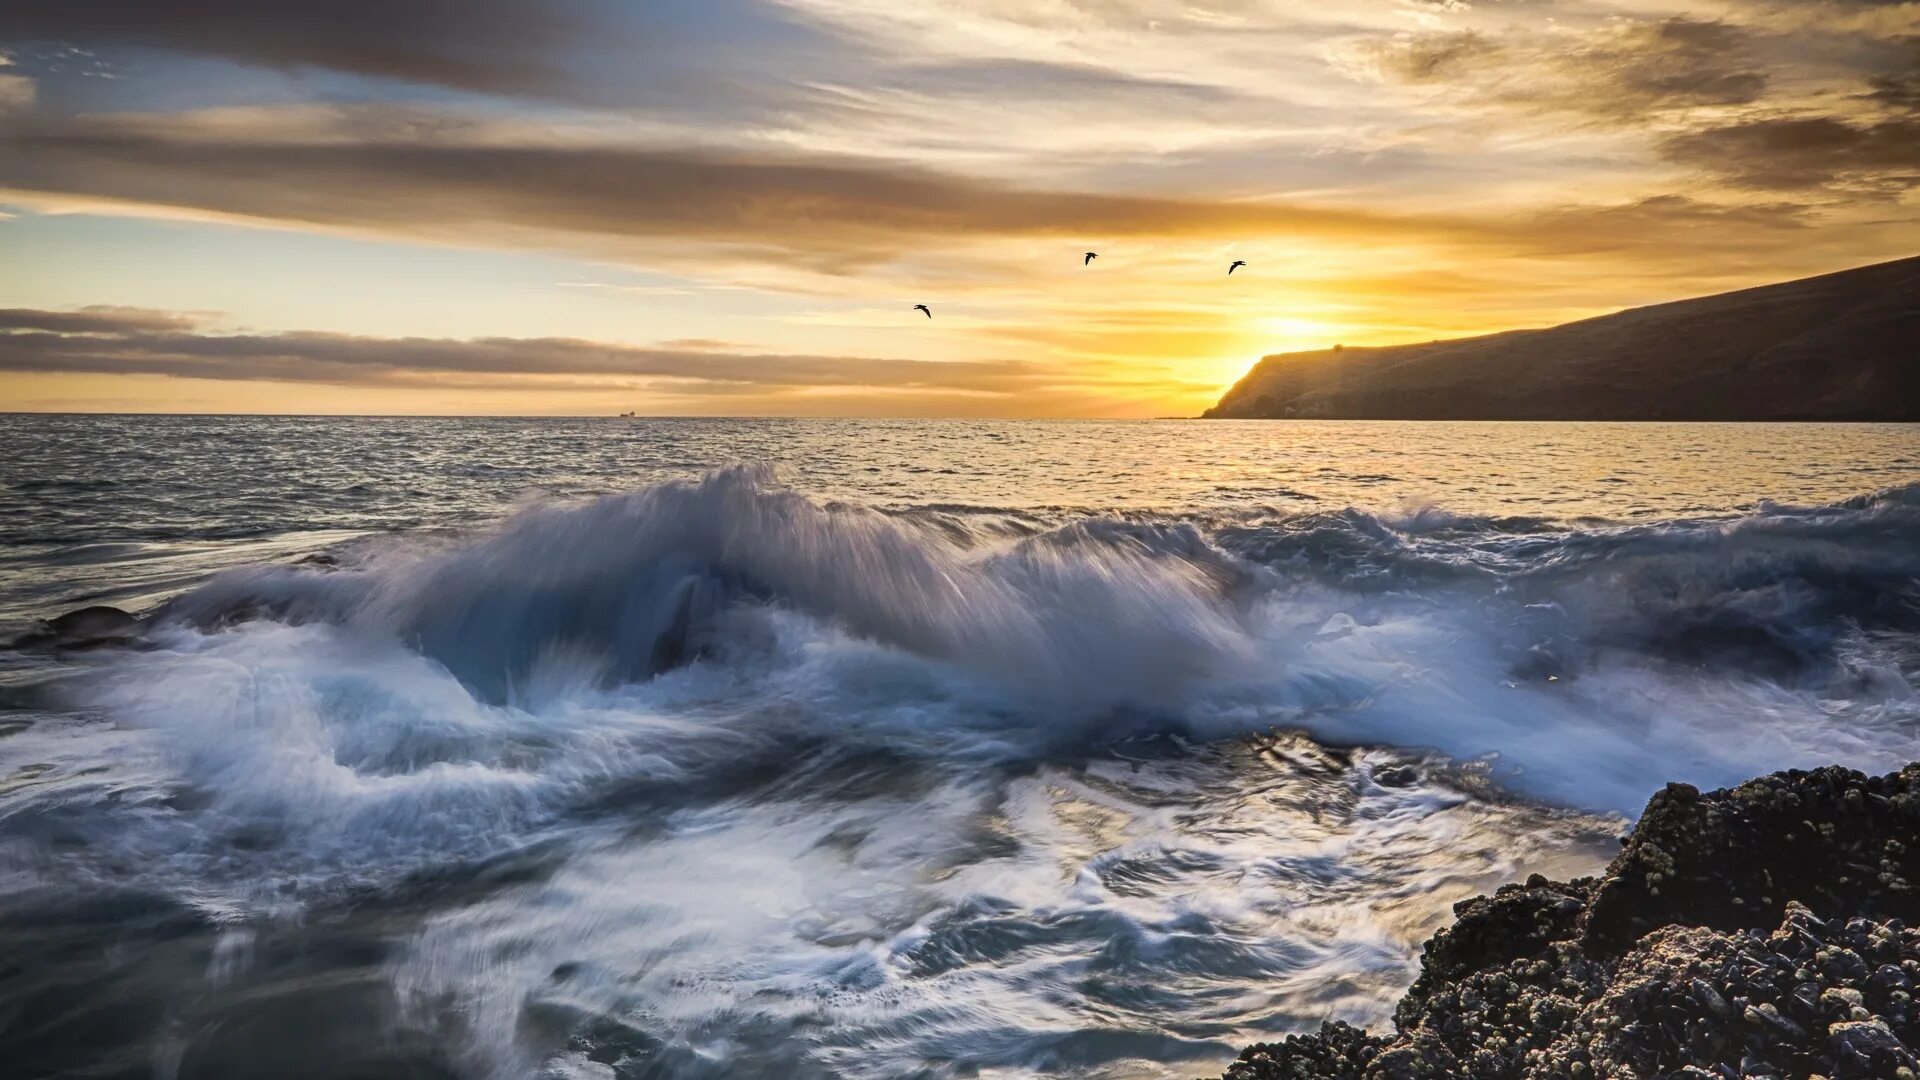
(1754, 932)
(1396, 776)
(93, 622)
(93, 627)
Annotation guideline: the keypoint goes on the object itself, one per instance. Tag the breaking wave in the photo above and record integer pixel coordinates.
(1581, 655)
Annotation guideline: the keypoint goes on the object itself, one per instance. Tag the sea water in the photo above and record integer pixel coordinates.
(776, 748)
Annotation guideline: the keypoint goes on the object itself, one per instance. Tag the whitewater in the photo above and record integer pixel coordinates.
(595, 748)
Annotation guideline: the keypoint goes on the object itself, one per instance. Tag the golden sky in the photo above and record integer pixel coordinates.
(731, 206)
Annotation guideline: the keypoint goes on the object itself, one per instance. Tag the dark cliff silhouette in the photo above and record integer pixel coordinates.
(1842, 346)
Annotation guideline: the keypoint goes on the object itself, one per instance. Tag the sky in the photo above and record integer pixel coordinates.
(732, 206)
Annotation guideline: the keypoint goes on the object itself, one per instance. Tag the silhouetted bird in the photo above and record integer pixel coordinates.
(1237, 264)
(1091, 255)
(923, 307)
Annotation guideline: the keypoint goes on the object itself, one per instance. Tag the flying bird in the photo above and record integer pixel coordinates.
(1091, 255)
(1237, 264)
(923, 307)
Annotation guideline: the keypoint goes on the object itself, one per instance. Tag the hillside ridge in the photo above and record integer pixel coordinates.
(1838, 346)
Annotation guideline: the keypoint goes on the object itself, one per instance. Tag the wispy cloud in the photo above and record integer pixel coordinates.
(131, 341)
(631, 290)
(787, 177)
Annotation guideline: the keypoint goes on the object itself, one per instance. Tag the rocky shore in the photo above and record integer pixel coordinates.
(1759, 931)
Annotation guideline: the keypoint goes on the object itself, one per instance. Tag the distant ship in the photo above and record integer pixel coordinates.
(626, 414)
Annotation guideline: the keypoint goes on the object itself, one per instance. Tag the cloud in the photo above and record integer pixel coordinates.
(1805, 152)
(1899, 88)
(1036, 82)
(865, 155)
(46, 357)
(99, 319)
(712, 61)
(1681, 224)
(1618, 73)
(1429, 58)
(631, 290)
(830, 213)
(17, 93)
(125, 341)
(783, 221)
(1776, 104)
(1676, 63)
(469, 44)
(1792, 4)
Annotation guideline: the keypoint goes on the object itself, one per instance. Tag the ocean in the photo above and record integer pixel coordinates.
(489, 748)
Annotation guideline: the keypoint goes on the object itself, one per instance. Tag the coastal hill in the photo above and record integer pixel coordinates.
(1842, 346)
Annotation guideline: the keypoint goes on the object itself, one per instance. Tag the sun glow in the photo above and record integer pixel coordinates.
(1285, 333)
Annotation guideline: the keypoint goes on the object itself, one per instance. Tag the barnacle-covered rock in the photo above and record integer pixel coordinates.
(1754, 932)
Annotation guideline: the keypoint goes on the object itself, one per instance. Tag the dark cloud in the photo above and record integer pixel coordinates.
(828, 213)
(1711, 77)
(94, 342)
(484, 45)
(832, 215)
(1618, 74)
(1436, 57)
(1807, 152)
(717, 61)
(100, 319)
(1680, 224)
(1679, 62)
(1899, 88)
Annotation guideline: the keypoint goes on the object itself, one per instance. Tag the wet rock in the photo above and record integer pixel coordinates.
(1870, 1043)
(1756, 932)
(93, 627)
(1338, 1051)
(1516, 922)
(1837, 841)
